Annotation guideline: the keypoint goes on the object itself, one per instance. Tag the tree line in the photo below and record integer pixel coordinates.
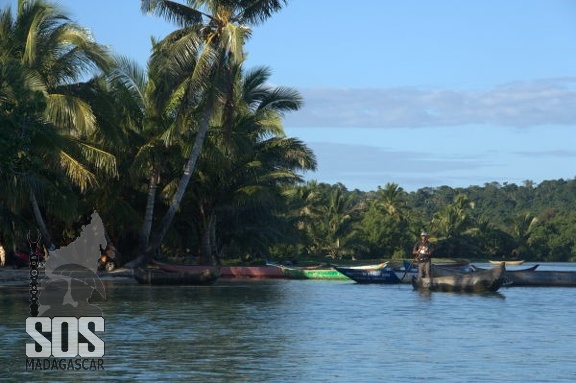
(188, 156)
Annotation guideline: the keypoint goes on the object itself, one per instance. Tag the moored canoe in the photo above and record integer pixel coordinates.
(264, 271)
(312, 273)
(481, 281)
(541, 278)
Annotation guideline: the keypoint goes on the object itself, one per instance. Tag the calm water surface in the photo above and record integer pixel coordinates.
(315, 331)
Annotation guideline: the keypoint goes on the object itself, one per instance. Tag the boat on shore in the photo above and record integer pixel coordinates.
(480, 281)
(264, 271)
(207, 275)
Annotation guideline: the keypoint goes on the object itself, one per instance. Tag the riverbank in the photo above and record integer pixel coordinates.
(21, 277)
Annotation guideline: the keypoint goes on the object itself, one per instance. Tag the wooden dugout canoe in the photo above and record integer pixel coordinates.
(541, 278)
(481, 281)
(266, 271)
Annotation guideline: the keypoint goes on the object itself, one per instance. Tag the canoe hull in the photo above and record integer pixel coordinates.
(544, 278)
(251, 272)
(312, 273)
(227, 271)
(156, 277)
(390, 275)
(383, 275)
(482, 281)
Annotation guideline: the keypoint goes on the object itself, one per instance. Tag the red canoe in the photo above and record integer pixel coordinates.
(266, 271)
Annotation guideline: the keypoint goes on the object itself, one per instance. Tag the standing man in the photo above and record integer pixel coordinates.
(423, 251)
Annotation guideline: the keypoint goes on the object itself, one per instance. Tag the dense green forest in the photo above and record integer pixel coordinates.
(188, 157)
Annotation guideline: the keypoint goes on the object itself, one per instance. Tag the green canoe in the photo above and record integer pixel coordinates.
(313, 273)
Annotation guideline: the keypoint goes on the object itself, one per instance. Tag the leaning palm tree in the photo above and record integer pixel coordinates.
(46, 54)
(211, 40)
(241, 174)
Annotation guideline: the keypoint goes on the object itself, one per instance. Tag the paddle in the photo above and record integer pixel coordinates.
(406, 272)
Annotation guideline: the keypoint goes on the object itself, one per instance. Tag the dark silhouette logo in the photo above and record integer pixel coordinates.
(71, 278)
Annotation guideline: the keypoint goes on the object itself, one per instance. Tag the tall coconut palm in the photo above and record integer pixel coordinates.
(241, 174)
(210, 41)
(46, 55)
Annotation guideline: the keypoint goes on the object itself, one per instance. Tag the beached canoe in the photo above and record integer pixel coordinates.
(264, 271)
(156, 277)
(481, 281)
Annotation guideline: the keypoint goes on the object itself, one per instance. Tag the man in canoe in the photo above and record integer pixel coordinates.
(423, 251)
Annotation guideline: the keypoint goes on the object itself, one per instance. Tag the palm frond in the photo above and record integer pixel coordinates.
(70, 113)
(77, 172)
(172, 11)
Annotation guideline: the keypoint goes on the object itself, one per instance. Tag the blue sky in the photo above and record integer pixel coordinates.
(422, 93)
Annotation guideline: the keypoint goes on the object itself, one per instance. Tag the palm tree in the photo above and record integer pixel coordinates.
(385, 223)
(452, 223)
(151, 134)
(338, 232)
(303, 211)
(241, 174)
(202, 52)
(392, 199)
(44, 55)
(522, 227)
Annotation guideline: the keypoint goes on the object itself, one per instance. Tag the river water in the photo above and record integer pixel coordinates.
(315, 331)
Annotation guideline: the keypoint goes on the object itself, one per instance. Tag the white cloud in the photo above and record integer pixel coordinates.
(520, 104)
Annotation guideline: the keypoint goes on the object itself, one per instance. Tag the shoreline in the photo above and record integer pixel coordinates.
(21, 277)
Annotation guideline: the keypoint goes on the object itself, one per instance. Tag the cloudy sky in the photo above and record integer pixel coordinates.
(421, 93)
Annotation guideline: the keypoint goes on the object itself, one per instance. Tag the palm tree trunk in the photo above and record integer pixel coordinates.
(149, 213)
(47, 239)
(206, 243)
(185, 180)
(208, 251)
(214, 254)
(156, 239)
